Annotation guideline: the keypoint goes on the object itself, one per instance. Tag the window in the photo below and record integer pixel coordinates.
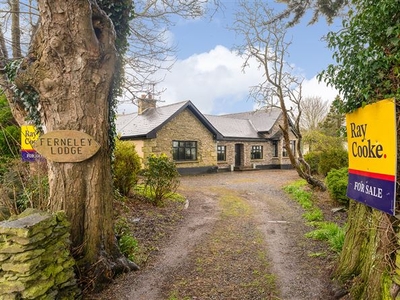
(256, 152)
(221, 153)
(292, 147)
(184, 150)
(275, 148)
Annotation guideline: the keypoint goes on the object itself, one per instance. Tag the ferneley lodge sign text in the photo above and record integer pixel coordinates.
(66, 146)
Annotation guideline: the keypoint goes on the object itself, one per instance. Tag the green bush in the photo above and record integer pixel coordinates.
(9, 141)
(332, 159)
(161, 177)
(126, 166)
(128, 245)
(10, 132)
(21, 187)
(336, 182)
(313, 158)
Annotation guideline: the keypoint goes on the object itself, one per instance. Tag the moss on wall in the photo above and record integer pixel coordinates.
(35, 262)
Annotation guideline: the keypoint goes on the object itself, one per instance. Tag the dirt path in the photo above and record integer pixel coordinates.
(217, 252)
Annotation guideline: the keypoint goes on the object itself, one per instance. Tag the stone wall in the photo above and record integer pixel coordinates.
(35, 262)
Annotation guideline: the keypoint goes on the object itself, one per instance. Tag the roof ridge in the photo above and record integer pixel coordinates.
(252, 125)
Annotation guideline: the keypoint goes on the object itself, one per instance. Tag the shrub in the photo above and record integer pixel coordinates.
(126, 166)
(9, 141)
(336, 182)
(313, 158)
(22, 186)
(10, 132)
(161, 177)
(128, 245)
(332, 159)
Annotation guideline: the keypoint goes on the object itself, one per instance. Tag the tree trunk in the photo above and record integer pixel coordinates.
(366, 260)
(303, 171)
(70, 65)
(16, 29)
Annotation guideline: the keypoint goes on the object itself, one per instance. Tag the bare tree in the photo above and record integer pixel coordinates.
(314, 111)
(265, 42)
(149, 45)
(296, 10)
(151, 48)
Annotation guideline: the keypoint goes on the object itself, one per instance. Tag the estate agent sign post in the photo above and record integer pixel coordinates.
(372, 147)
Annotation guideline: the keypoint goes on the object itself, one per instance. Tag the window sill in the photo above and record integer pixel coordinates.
(185, 161)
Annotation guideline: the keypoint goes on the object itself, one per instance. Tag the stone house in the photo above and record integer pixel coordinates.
(204, 143)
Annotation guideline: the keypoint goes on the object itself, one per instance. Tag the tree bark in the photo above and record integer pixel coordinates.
(366, 260)
(16, 29)
(300, 165)
(70, 65)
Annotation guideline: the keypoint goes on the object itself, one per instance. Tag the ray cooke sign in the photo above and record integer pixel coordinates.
(372, 147)
(66, 146)
(29, 135)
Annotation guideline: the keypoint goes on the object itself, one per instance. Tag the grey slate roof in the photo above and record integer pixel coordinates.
(246, 125)
(262, 119)
(139, 125)
(233, 128)
(151, 120)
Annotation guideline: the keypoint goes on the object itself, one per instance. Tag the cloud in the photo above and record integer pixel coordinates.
(215, 83)
(312, 88)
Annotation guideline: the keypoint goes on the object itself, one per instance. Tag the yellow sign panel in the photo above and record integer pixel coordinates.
(371, 136)
(28, 136)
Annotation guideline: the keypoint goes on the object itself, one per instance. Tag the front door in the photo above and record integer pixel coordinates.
(238, 155)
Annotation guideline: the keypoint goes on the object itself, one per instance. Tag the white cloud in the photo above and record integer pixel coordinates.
(312, 88)
(215, 83)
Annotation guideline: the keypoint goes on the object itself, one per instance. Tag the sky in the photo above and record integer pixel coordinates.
(209, 73)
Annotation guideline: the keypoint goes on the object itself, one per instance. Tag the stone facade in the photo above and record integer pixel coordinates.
(186, 125)
(268, 160)
(183, 127)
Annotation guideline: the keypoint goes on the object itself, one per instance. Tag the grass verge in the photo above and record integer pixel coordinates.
(330, 232)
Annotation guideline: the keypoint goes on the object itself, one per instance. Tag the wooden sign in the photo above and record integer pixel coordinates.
(66, 146)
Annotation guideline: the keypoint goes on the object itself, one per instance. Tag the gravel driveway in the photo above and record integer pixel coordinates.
(268, 214)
